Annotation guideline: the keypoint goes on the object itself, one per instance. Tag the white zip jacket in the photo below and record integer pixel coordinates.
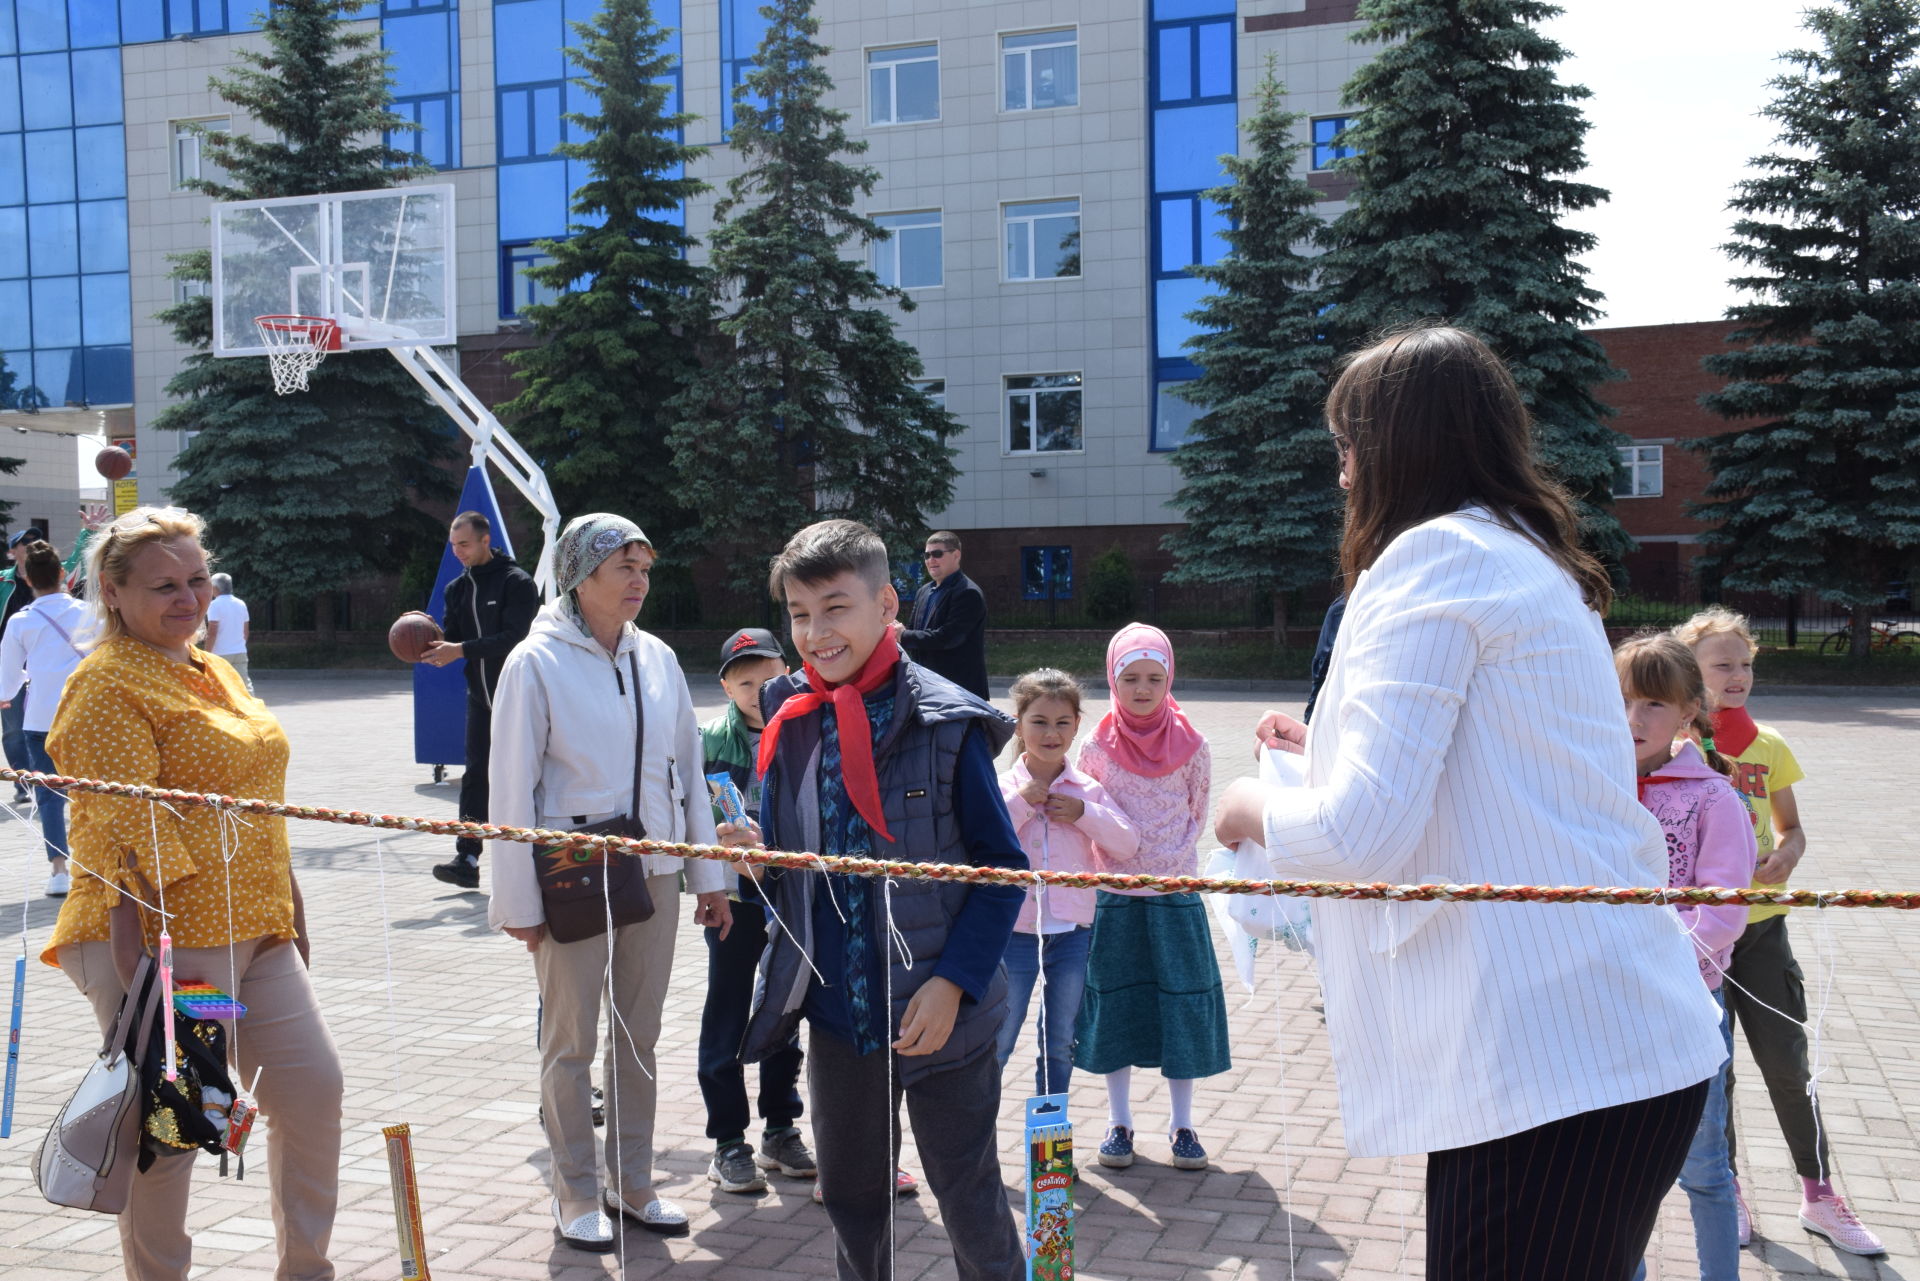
(563, 731)
(1471, 731)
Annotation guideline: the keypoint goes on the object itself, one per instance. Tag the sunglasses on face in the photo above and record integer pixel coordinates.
(933, 553)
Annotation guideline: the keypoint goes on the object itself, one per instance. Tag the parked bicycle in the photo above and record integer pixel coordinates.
(1885, 635)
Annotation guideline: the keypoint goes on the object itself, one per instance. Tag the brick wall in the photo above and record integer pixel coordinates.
(1658, 402)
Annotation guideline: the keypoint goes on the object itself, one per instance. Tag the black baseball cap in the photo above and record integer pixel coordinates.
(750, 642)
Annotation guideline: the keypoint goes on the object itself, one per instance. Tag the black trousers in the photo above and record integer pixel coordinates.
(473, 783)
(953, 1114)
(1764, 973)
(732, 965)
(1573, 1200)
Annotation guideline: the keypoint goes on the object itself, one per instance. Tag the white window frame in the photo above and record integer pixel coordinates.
(185, 289)
(1008, 392)
(187, 134)
(1008, 219)
(893, 82)
(1634, 464)
(1072, 34)
(890, 247)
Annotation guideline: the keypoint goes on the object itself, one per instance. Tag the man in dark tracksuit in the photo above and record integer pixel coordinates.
(490, 609)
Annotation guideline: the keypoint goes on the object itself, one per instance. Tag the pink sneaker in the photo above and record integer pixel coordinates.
(1832, 1219)
(1743, 1217)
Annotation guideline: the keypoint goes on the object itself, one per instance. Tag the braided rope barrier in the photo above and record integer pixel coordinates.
(1697, 895)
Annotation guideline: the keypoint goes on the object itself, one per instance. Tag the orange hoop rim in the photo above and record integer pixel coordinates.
(321, 334)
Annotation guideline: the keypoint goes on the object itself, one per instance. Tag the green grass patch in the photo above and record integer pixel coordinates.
(1805, 666)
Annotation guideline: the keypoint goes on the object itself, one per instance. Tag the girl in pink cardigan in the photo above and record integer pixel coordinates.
(1710, 841)
(1067, 823)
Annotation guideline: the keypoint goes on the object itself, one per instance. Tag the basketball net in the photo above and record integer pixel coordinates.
(295, 347)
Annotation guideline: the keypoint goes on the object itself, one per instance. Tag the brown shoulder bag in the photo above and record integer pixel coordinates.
(584, 887)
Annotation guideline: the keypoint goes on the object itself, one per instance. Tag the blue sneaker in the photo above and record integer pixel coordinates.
(1187, 1152)
(1117, 1152)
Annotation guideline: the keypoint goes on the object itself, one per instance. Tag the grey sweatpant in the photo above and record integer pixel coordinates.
(953, 1114)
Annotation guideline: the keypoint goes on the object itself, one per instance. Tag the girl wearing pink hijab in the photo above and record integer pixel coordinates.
(1153, 997)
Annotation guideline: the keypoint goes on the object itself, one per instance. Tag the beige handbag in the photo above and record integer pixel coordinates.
(90, 1153)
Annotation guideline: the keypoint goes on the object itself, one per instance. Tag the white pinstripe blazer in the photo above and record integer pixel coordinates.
(1471, 731)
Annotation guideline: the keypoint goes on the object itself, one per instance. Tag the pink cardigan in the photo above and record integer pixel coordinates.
(1710, 841)
(1101, 837)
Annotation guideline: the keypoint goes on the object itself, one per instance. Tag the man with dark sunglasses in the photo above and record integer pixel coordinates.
(947, 630)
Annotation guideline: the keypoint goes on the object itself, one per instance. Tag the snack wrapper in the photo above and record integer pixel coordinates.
(726, 794)
(406, 1203)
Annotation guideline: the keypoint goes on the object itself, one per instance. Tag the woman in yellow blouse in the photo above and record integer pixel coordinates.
(147, 706)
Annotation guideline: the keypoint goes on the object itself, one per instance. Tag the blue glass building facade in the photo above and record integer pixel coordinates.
(1194, 105)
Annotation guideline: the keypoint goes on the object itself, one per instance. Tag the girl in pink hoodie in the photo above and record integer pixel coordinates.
(1710, 841)
(1067, 823)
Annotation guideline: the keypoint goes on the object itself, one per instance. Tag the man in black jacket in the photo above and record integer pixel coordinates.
(490, 608)
(947, 630)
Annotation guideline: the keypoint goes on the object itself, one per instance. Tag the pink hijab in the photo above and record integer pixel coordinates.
(1151, 746)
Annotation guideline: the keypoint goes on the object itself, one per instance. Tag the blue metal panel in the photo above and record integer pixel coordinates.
(440, 693)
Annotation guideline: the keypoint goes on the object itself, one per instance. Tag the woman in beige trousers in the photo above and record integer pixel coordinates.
(148, 706)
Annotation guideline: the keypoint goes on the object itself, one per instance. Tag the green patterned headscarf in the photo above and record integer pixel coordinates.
(585, 543)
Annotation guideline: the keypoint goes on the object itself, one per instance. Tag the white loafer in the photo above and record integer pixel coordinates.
(592, 1231)
(660, 1215)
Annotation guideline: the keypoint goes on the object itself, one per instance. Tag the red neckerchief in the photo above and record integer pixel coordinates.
(1733, 730)
(849, 702)
(1648, 780)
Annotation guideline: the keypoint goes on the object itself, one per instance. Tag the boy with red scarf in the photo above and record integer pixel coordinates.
(1764, 980)
(868, 754)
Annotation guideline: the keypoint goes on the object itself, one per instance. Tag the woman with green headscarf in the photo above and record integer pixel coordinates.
(564, 735)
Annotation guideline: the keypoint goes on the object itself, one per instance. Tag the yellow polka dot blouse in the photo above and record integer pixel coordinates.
(132, 715)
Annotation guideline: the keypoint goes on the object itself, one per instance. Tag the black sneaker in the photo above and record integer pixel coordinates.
(784, 1151)
(733, 1169)
(463, 870)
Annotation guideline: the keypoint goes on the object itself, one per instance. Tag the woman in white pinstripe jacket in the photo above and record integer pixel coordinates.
(1551, 1060)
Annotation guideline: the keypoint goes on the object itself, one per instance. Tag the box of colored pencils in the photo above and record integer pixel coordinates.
(1050, 1177)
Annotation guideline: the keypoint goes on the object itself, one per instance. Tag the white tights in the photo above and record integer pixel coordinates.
(1120, 1101)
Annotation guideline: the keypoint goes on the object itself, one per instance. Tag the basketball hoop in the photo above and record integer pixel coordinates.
(295, 347)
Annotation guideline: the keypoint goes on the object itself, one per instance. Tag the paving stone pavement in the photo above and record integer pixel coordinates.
(435, 1021)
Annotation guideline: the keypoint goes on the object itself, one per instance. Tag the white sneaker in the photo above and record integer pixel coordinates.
(592, 1231)
(58, 884)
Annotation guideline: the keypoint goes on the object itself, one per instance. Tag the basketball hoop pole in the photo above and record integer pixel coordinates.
(491, 444)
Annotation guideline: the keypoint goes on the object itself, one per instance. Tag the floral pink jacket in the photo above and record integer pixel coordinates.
(1102, 837)
(1709, 842)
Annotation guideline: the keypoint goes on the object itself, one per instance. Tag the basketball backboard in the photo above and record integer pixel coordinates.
(380, 264)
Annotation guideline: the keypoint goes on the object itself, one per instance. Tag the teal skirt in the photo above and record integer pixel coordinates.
(1153, 996)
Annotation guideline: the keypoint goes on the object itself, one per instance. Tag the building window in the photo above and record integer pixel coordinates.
(1173, 414)
(1041, 69)
(903, 85)
(909, 258)
(190, 160)
(185, 289)
(1043, 413)
(1042, 239)
(517, 289)
(1046, 573)
(1642, 472)
(1193, 62)
(1326, 130)
(935, 390)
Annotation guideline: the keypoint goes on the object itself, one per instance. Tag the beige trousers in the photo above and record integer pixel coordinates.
(574, 980)
(284, 1035)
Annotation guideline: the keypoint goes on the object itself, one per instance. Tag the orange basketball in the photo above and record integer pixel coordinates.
(410, 635)
(113, 462)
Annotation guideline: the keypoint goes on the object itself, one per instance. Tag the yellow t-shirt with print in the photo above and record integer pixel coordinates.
(1763, 769)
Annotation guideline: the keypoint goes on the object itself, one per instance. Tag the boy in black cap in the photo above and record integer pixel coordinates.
(749, 659)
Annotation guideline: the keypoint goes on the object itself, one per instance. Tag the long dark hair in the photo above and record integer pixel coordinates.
(1432, 421)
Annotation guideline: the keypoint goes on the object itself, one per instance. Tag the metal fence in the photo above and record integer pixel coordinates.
(1785, 622)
